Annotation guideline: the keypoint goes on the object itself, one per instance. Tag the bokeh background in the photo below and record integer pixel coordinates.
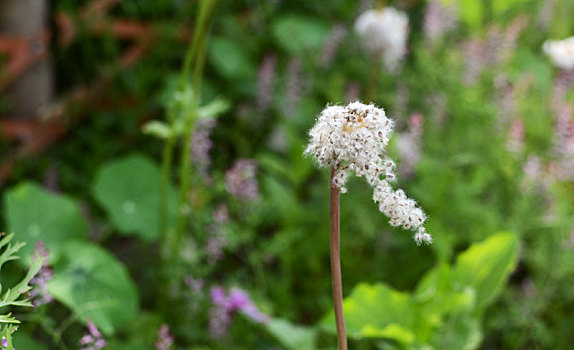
(93, 101)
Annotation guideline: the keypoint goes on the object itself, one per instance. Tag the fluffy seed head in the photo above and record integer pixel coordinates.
(355, 138)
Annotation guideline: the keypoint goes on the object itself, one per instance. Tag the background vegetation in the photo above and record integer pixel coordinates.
(484, 144)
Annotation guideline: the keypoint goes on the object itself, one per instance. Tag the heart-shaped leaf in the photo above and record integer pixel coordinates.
(94, 284)
(129, 191)
(35, 214)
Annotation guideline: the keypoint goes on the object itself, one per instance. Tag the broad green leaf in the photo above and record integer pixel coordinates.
(298, 35)
(292, 337)
(377, 311)
(94, 284)
(129, 191)
(438, 295)
(35, 214)
(229, 58)
(486, 265)
(460, 332)
(22, 340)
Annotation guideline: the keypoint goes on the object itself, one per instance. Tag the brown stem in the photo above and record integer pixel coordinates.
(336, 278)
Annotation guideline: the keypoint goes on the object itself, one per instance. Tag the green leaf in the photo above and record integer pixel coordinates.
(298, 35)
(438, 295)
(486, 265)
(377, 311)
(213, 109)
(37, 215)
(229, 59)
(22, 340)
(158, 129)
(94, 284)
(292, 337)
(129, 191)
(460, 332)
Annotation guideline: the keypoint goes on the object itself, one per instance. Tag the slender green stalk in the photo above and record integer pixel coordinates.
(170, 240)
(198, 54)
(335, 250)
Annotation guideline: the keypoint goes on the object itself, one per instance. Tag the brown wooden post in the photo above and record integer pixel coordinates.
(33, 90)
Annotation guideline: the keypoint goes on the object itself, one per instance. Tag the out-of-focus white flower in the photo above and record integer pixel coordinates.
(561, 52)
(384, 35)
(355, 138)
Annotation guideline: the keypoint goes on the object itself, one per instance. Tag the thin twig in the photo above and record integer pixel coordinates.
(336, 278)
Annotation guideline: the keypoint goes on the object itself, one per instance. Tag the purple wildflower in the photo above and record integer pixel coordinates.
(332, 43)
(164, 338)
(564, 143)
(439, 18)
(4, 342)
(545, 14)
(515, 139)
(353, 92)
(39, 294)
(225, 305)
(266, 82)
(474, 60)
(293, 88)
(201, 144)
(240, 180)
(93, 339)
(409, 145)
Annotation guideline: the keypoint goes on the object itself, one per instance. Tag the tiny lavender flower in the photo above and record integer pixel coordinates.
(39, 294)
(265, 82)
(384, 35)
(409, 145)
(561, 52)
(201, 144)
(5, 342)
(240, 180)
(293, 87)
(332, 43)
(93, 340)
(439, 18)
(164, 338)
(224, 306)
(355, 138)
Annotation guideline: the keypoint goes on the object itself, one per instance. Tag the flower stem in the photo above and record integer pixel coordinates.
(336, 278)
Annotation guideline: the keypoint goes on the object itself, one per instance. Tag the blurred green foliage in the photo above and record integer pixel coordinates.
(473, 288)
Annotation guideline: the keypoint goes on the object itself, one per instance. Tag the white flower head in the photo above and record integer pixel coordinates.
(384, 35)
(561, 52)
(355, 137)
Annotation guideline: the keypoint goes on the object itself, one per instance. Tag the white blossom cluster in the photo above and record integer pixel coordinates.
(384, 35)
(561, 52)
(355, 138)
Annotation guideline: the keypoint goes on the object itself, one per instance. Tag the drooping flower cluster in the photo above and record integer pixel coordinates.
(164, 338)
(240, 180)
(384, 35)
(561, 52)
(355, 138)
(226, 304)
(39, 294)
(93, 339)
